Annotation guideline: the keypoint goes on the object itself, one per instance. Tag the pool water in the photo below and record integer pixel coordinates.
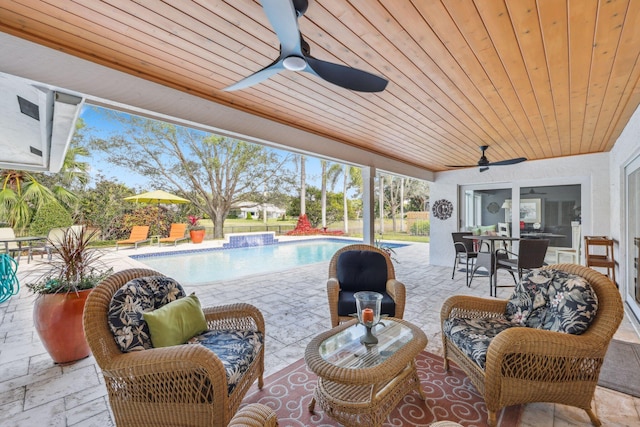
(204, 266)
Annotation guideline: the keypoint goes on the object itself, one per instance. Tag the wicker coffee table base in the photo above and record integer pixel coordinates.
(358, 405)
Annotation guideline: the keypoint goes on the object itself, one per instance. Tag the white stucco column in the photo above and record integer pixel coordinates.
(368, 200)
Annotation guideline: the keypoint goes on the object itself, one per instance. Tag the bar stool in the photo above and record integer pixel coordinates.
(606, 260)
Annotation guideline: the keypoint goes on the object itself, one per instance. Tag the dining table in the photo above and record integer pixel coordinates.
(542, 235)
(488, 259)
(20, 240)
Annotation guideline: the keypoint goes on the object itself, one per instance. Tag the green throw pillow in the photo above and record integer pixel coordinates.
(486, 229)
(177, 322)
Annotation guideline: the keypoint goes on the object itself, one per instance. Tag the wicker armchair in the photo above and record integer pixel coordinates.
(341, 304)
(254, 415)
(179, 385)
(533, 365)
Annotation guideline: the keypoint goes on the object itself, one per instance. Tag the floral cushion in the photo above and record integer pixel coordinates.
(125, 317)
(473, 335)
(236, 349)
(553, 300)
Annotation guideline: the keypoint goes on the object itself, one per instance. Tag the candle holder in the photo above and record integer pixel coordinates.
(368, 305)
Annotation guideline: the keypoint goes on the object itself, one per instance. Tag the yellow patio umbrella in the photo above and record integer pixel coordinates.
(156, 197)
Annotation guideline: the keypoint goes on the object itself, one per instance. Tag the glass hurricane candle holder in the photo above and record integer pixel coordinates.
(368, 305)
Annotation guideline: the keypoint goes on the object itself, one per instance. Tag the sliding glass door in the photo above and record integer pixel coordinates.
(552, 212)
(632, 173)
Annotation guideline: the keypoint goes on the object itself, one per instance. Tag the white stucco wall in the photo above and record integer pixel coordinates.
(591, 171)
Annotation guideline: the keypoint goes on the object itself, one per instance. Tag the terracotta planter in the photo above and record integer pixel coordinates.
(58, 321)
(197, 236)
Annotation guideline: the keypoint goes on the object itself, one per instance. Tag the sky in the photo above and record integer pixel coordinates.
(99, 124)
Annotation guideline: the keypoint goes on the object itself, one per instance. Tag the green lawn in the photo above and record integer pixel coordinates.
(355, 227)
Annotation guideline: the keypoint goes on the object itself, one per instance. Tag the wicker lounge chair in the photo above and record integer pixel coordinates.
(362, 268)
(139, 234)
(176, 234)
(178, 385)
(527, 364)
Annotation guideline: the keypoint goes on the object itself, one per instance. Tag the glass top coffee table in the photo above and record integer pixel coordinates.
(361, 384)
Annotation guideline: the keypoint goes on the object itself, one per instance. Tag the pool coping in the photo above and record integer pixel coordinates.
(279, 242)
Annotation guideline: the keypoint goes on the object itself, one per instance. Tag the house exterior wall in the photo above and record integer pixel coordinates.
(591, 171)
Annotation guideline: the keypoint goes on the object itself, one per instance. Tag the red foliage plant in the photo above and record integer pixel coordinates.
(304, 228)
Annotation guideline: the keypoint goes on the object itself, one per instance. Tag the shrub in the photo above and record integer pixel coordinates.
(420, 228)
(49, 216)
(249, 216)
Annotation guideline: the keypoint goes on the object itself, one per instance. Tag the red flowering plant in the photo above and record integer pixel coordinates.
(194, 223)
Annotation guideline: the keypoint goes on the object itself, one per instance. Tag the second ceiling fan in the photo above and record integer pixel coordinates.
(295, 53)
(484, 163)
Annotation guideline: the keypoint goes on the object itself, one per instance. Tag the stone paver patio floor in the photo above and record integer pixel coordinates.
(34, 391)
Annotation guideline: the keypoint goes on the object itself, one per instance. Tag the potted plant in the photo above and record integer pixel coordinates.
(62, 291)
(196, 231)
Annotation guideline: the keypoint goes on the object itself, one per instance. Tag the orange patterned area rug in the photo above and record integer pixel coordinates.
(450, 396)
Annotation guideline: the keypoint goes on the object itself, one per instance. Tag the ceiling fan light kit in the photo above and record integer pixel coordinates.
(484, 163)
(295, 53)
(294, 63)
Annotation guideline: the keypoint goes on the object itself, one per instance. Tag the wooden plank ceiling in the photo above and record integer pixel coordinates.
(538, 79)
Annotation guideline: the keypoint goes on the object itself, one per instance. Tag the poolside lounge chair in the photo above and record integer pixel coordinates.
(55, 237)
(176, 234)
(8, 233)
(139, 234)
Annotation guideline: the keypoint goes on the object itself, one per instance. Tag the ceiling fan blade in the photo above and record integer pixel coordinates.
(283, 20)
(460, 166)
(485, 168)
(508, 162)
(346, 77)
(268, 71)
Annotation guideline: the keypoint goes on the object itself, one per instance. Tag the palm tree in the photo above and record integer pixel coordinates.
(323, 193)
(402, 205)
(381, 201)
(21, 194)
(351, 177)
(331, 174)
(303, 186)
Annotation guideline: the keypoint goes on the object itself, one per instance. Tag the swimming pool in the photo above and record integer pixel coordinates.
(203, 266)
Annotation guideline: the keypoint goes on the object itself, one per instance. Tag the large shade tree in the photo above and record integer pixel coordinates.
(214, 172)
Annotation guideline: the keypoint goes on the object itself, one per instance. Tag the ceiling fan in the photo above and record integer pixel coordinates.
(532, 192)
(484, 163)
(295, 53)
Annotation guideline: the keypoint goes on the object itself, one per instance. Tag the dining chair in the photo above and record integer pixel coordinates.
(465, 251)
(574, 250)
(531, 254)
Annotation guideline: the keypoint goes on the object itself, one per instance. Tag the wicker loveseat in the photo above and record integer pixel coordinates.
(527, 364)
(186, 385)
(362, 267)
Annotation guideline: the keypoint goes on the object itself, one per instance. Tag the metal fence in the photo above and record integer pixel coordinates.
(279, 229)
